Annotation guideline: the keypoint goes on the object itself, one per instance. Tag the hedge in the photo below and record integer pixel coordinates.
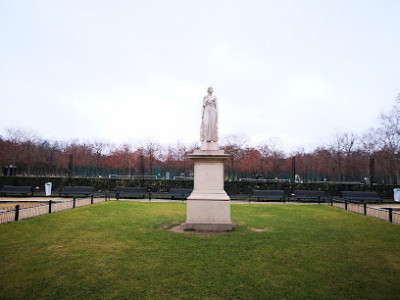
(160, 185)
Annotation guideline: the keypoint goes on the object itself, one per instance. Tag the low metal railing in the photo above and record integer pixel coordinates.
(18, 212)
(382, 213)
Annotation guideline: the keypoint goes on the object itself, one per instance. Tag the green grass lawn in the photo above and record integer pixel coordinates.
(120, 250)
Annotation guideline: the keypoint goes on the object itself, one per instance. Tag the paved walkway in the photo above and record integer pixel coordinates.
(232, 202)
(32, 199)
(45, 199)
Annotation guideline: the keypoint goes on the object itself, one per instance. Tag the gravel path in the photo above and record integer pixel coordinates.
(46, 199)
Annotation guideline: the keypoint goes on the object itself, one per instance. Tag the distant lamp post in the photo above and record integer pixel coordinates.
(293, 169)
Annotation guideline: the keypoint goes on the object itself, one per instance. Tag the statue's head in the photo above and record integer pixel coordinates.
(210, 90)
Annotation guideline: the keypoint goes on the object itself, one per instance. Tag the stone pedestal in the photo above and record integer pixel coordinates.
(208, 206)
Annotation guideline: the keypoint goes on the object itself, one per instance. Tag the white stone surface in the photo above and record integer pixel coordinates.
(208, 206)
(209, 146)
(208, 212)
(217, 154)
(209, 118)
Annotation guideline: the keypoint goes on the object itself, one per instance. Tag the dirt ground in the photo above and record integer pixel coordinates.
(34, 201)
(26, 202)
(22, 204)
(180, 229)
(31, 199)
(386, 205)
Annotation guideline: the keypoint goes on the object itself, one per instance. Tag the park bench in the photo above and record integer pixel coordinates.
(180, 193)
(234, 195)
(360, 196)
(77, 190)
(125, 191)
(269, 194)
(16, 190)
(310, 195)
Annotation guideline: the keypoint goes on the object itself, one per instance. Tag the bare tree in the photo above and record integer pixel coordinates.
(341, 150)
(122, 157)
(234, 146)
(304, 164)
(152, 151)
(272, 158)
(98, 154)
(22, 148)
(370, 141)
(389, 137)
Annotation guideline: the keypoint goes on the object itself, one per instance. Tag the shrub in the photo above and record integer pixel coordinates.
(162, 185)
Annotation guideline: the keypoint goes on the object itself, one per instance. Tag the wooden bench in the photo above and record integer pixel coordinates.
(310, 194)
(16, 190)
(121, 191)
(269, 194)
(77, 190)
(360, 196)
(180, 193)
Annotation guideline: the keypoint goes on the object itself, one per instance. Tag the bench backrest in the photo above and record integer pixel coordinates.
(180, 192)
(360, 195)
(269, 193)
(309, 193)
(77, 190)
(16, 189)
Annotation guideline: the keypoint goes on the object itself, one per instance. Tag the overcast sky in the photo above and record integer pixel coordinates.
(130, 71)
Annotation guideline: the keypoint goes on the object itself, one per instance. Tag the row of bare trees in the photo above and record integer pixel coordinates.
(32, 155)
(373, 156)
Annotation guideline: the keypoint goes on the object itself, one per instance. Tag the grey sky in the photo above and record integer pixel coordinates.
(129, 71)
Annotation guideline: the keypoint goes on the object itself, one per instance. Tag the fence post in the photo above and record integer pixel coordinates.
(365, 209)
(149, 195)
(390, 215)
(91, 199)
(345, 204)
(74, 203)
(16, 212)
(50, 207)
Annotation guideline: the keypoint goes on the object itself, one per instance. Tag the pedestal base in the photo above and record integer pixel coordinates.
(207, 227)
(208, 206)
(208, 215)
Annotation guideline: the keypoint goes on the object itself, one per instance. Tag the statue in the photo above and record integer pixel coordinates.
(209, 122)
(208, 206)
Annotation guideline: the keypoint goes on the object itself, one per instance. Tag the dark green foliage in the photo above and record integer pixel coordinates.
(160, 185)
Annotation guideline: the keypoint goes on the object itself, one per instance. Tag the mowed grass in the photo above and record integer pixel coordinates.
(118, 250)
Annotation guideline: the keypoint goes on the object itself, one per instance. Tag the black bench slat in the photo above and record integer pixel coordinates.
(309, 194)
(268, 194)
(130, 191)
(15, 189)
(361, 196)
(77, 190)
(233, 195)
(177, 192)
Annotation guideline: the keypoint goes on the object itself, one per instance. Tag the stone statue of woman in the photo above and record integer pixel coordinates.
(209, 122)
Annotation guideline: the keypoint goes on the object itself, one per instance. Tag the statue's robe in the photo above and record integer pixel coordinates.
(209, 123)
